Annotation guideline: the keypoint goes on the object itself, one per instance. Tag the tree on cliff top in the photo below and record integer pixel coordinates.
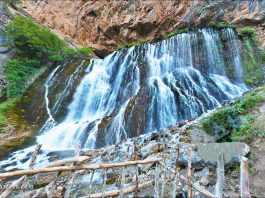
(34, 41)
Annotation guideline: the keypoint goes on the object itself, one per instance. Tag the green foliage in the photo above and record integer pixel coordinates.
(252, 67)
(83, 53)
(245, 131)
(179, 31)
(222, 121)
(246, 31)
(127, 45)
(17, 74)
(229, 120)
(34, 41)
(3, 110)
(244, 105)
(220, 25)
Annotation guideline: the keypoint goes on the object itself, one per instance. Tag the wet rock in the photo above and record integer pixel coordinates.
(151, 148)
(204, 181)
(196, 161)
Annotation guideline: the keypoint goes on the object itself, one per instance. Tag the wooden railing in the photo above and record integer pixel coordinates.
(157, 184)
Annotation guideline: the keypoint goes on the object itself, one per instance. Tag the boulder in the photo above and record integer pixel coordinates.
(232, 151)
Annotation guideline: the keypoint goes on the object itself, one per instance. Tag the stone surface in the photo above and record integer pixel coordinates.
(232, 151)
(104, 25)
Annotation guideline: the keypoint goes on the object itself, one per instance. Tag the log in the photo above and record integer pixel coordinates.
(13, 186)
(244, 178)
(195, 186)
(137, 171)
(72, 168)
(128, 190)
(220, 176)
(189, 174)
(23, 179)
(123, 173)
(72, 176)
(90, 184)
(79, 159)
(31, 165)
(176, 174)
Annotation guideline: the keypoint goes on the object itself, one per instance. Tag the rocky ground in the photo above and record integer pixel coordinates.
(163, 145)
(106, 25)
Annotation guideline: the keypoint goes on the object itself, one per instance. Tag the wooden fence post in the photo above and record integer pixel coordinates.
(72, 176)
(137, 171)
(189, 174)
(123, 172)
(176, 175)
(244, 178)
(220, 176)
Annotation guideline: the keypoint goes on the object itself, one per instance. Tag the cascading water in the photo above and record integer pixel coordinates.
(157, 81)
(148, 88)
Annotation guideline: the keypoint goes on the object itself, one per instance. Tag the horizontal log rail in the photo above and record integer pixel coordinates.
(114, 193)
(78, 159)
(74, 168)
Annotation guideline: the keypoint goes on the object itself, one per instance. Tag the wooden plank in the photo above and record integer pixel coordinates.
(220, 176)
(137, 171)
(72, 168)
(79, 159)
(72, 176)
(189, 174)
(244, 178)
(128, 190)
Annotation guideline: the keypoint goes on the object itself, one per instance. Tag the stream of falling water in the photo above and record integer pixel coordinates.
(141, 90)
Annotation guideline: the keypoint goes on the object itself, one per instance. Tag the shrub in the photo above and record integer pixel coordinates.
(85, 51)
(34, 41)
(220, 25)
(252, 65)
(230, 122)
(221, 122)
(17, 74)
(3, 110)
(179, 31)
(246, 31)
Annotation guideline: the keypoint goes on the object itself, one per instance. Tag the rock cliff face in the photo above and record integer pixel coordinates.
(104, 25)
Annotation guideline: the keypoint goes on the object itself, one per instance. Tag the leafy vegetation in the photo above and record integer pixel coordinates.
(127, 45)
(34, 41)
(253, 57)
(35, 46)
(17, 74)
(179, 31)
(3, 110)
(236, 121)
(246, 31)
(220, 25)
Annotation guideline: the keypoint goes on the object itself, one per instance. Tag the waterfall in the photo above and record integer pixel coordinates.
(149, 88)
(143, 89)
